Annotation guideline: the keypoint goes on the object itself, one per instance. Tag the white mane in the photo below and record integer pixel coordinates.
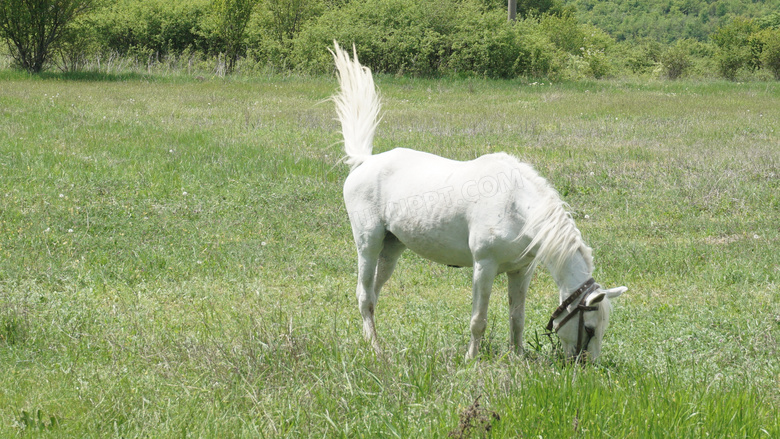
(555, 236)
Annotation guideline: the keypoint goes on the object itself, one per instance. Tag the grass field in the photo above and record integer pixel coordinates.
(176, 261)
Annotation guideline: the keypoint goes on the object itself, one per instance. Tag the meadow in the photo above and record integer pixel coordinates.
(176, 261)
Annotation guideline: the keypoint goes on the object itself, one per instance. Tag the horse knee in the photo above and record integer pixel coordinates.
(366, 307)
(366, 302)
(478, 325)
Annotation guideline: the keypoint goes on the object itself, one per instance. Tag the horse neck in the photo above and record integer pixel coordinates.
(571, 274)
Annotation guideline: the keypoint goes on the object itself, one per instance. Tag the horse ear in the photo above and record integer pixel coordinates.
(615, 292)
(597, 298)
(610, 293)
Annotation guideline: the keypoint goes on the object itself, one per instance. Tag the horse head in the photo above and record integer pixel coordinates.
(581, 324)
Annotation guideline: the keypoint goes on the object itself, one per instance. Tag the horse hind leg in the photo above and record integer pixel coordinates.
(391, 251)
(365, 294)
(369, 246)
(376, 261)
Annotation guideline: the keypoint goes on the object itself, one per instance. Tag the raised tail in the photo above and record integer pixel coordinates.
(357, 105)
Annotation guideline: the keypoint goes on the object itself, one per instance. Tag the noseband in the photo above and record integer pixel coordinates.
(584, 290)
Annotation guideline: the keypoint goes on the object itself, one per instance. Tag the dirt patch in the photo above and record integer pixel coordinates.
(721, 240)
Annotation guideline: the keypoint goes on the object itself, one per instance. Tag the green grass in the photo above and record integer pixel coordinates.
(176, 261)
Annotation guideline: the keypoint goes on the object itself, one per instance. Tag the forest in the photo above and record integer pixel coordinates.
(553, 39)
(669, 20)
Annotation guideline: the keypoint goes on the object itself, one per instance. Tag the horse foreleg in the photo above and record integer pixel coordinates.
(518, 287)
(484, 273)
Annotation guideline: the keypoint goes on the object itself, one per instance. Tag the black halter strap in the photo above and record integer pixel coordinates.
(583, 291)
(588, 287)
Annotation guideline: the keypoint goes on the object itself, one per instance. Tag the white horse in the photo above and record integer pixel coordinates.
(493, 213)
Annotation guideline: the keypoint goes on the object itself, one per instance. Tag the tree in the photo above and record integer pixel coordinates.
(232, 18)
(737, 49)
(31, 28)
(527, 8)
(770, 55)
(288, 17)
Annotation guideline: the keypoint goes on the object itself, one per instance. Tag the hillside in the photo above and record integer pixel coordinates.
(667, 20)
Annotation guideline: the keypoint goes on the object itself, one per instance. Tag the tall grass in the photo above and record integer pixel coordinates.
(175, 260)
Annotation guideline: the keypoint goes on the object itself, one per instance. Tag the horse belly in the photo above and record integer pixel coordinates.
(446, 243)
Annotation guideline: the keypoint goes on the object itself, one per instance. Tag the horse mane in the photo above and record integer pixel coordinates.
(554, 235)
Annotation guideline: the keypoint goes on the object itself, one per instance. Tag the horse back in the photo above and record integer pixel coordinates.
(444, 210)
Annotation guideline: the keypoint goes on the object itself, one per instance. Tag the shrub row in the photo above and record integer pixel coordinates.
(416, 37)
(423, 38)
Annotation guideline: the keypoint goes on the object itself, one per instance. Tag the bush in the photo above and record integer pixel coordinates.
(586, 43)
(393, 36)
(637, 58)
(488, 45)
(597, 62)
(564, 32)
(770, 53)
(287, 17)
(429, 38)
(675, 60)
(157, 26)
(77, 44)
(542, 57)
(484, 45)
(736, 48)
(276, 24)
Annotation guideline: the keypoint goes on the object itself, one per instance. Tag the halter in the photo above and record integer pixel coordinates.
(584, 290)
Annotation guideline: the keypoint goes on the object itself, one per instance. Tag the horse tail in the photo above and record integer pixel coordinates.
(357, 106)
